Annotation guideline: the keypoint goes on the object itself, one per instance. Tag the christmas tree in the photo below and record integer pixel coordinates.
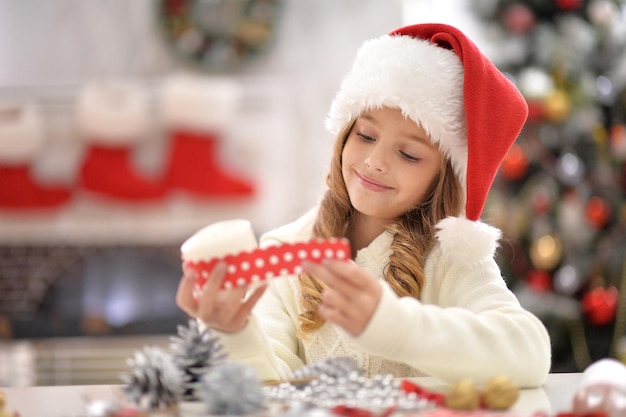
(559, 196)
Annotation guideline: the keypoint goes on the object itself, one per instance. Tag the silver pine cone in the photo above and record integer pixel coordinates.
(194, 351)
(232, 389)
(154, 380)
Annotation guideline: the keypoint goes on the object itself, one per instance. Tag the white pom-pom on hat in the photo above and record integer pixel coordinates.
(467, 242)
(21, 134)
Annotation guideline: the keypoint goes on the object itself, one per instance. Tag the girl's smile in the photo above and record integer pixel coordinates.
(371, 184)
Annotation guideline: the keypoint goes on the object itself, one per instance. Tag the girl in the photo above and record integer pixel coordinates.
(423, 121)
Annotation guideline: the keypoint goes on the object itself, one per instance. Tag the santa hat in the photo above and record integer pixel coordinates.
(439, 78)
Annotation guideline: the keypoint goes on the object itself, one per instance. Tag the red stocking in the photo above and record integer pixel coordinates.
(195, 167)
(20, 142)
(108, 171)
(196, 111)
(21, 192)
(114, 118)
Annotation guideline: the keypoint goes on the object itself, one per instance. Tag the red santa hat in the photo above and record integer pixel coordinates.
(439, 78)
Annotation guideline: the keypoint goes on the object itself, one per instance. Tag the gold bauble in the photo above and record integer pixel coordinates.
(252, 33)
(557, 106)
(546, 252)
(463, 395)
(500, 393)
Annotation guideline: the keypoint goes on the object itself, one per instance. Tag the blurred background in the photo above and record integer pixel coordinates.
(127, 126)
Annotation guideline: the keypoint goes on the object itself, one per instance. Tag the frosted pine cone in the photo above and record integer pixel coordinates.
(232, 389)
(154, 380)
(194, 352)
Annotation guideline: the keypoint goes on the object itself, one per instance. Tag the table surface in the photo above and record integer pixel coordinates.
(70, 401)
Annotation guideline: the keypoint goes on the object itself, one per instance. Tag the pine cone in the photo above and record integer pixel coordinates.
(194, 352)
(154, 380)
(232, 389)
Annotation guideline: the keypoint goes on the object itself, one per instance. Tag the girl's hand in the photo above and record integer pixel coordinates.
(352, 295)
(223, 310)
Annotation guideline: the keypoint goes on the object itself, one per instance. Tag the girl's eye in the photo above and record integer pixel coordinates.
(408, 157)
(365, 137)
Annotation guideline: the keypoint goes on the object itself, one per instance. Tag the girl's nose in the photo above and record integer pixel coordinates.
(377, 159)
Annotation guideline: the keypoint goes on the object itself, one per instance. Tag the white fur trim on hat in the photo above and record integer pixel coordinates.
(113, 112)
(421, 79)
(199, 103)
(464, 241)
(21, 134)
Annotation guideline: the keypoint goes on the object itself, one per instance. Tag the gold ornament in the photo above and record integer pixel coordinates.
(252, 33)
(500, 393)
(463, 395)
(545, 252)
(557, 106)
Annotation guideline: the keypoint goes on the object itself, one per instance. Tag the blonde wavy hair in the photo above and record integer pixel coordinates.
(413, 233)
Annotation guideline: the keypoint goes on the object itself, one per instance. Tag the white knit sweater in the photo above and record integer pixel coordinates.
(467, 323)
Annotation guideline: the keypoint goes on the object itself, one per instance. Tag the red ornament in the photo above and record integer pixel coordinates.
(541, 201)
(535, 110)
(539, 280)
(600, 305)
(518, 18)
(569, 4)
(598, 212)
(617, 141)
(348, 411)
(432, 396)
(175, 7)
(515, 163)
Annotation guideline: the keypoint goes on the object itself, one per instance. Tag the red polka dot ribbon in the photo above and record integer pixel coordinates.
(250, 267)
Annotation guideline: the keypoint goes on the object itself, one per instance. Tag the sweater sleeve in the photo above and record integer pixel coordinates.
(251, 347)
(468, 324)
(269, 341)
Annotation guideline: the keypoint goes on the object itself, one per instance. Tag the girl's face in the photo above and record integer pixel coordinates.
(388, 164)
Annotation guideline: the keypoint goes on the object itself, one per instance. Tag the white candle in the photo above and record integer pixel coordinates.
(218, 240)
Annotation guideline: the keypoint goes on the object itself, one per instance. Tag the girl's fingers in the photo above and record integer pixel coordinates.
(213, 285)
(213, 291)
(241, 318)
(336, 317)
(188, 271)
(349, 272)
(254, 297)
(225, 310)
(343, 276)
(336, 299)
(184, 295)
(323, 273)
(351, 310)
